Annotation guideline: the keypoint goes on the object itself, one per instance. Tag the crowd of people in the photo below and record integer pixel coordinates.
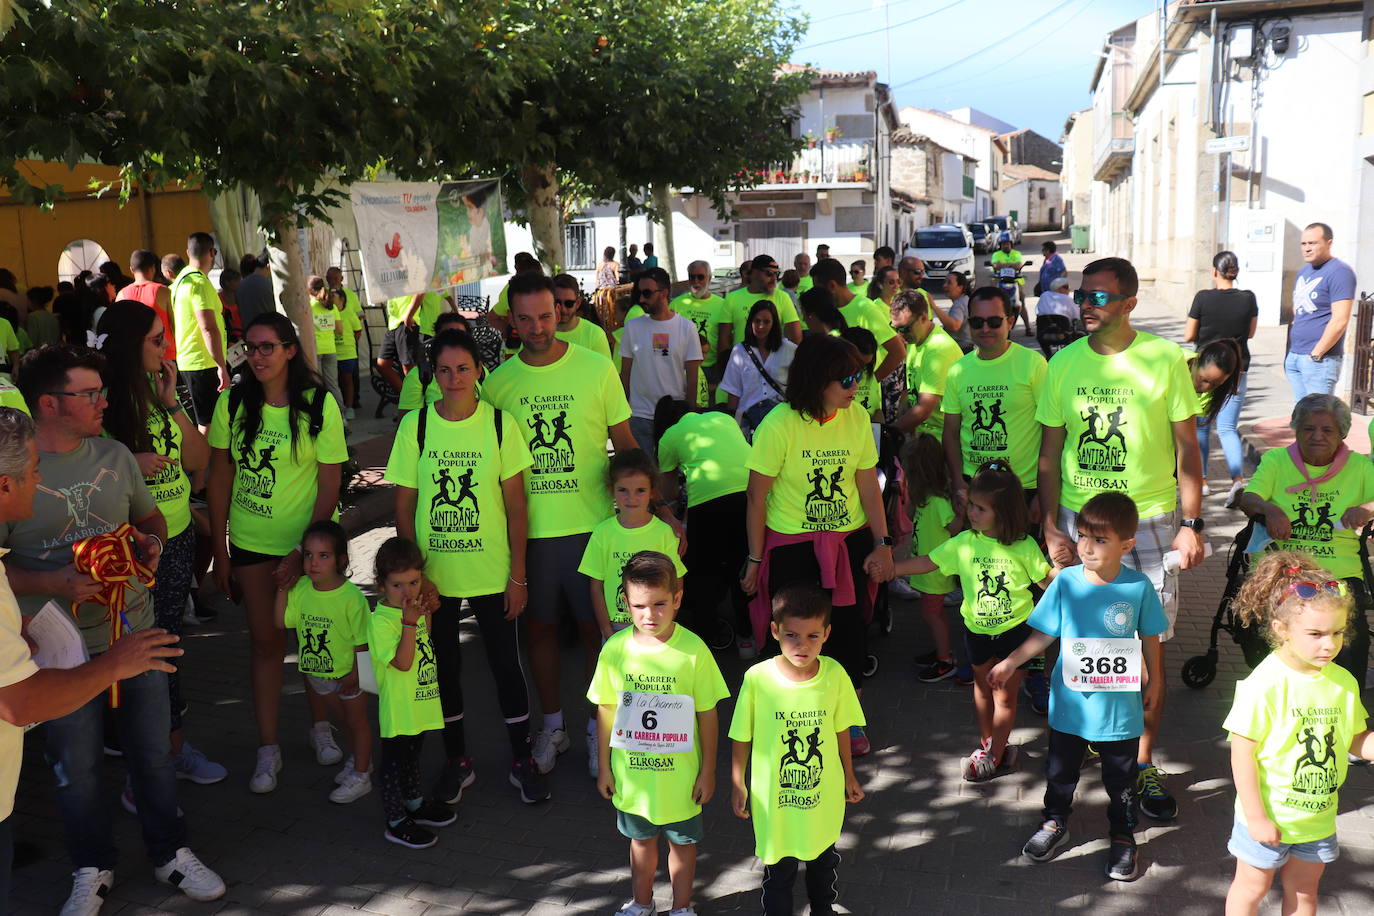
(746, 501)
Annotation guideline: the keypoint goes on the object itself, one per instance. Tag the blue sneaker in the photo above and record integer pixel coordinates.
(1036, 687)
(963, 675)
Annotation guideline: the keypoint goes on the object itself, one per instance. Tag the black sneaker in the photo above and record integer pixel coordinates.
(928, 658)
(1155, 801)
(533, 785)
(937, 670)
(456, 776)
(1121, 860)
(1041, 846)
(433, 813)
(408, 833)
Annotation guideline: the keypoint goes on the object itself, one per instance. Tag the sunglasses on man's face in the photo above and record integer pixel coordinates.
(977, 321)
(1098, 298)
(567, 303)
(647, 291)
(696, 276)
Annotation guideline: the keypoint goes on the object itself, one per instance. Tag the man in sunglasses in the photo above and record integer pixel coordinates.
(660, 354)
(861, 312)
(572, 327)
(763, 284)
(1118, 412)
(703, 308)
(930, 352)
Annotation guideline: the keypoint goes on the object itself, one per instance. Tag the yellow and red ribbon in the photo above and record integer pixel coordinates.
(110, 560)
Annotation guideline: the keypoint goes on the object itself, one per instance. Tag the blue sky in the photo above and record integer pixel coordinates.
(1039, 55)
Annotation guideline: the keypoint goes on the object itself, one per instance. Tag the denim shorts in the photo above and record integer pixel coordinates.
(1269, 856)
(324, 686)
(349, 366)
(683, 833)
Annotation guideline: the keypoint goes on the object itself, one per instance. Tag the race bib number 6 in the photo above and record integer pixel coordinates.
(1093, 665)
(654, 723)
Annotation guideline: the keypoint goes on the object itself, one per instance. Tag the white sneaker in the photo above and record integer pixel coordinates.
(354, 786)
(593, 756)
(265, 773)
(548, 744)
(327, 752)
(637, 909)
(90, 886)
(1206, 489)
(346, 769)
(1237, 488)
(190, 876)
(901, 588)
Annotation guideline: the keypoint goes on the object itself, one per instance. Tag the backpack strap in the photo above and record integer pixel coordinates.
(317, 411)
(420, 430)
(497, 412)
(235, 398)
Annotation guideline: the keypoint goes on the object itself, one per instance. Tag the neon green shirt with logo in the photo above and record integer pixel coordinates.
(705, 314)
(407, 701)
(738, 304)
(712, 453)
(411, 386)
(430, 307)
(804, 284)
(345, 332)
(460, 512)
(1303, 725)
(587, 334)
(10, 396)
(996, 401)
(563, 410)
(1117, 414)
(927, 370)
(612, 544)
(170, 487)
(193, 292)
(796, 779)
(996, 578)
(815, 466)
(1314, 516)
(930, 529)
(325, 318)
(863, 312)
(329, 624)
(654, 786)
(273, 493)
(869, 394)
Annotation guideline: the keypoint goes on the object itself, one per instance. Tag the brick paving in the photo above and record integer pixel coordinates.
(922, 841)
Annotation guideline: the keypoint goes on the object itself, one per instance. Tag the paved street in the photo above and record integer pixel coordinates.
(922, 841)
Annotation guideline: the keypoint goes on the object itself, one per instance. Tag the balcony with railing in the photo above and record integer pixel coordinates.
(838, 164)
(1113, 147)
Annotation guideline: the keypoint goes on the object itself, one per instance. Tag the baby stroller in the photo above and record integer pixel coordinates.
(1055, 332)
(893, 488)
(1201, 670)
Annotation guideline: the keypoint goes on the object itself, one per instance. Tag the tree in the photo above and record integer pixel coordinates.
(641, 94)
(276, 95)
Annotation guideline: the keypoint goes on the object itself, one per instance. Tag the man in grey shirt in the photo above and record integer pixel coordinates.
(255, 291)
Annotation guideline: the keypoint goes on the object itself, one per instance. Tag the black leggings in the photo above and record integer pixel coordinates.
(501, 639)
(399, 776)
(779, 877)
(1354, 655)
(173, 584)
(793, 564)
(717, 546)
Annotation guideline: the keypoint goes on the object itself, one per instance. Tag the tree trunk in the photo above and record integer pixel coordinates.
(288, 282)
(546, 223)
(663, 230)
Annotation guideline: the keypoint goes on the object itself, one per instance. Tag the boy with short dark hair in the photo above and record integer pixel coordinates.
(1108, 617)
(791, 725)
(656, 688)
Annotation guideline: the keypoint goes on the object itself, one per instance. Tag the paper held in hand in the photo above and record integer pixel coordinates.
(58, 640)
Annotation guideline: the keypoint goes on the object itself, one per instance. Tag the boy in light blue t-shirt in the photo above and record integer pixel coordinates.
(1108, 618)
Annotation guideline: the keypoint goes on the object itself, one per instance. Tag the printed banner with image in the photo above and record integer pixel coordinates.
(418, 236)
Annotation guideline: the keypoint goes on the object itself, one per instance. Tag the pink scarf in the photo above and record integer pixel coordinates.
(1335, 467)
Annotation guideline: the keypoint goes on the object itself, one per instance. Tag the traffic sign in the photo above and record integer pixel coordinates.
(1236, 144)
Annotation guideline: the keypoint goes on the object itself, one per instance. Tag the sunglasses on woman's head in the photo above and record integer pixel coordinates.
(977, 321)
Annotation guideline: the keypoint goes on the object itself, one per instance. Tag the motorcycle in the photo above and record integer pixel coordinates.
(1007, 277)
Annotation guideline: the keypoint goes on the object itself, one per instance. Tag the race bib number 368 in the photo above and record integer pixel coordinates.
(654, 723)
(1102, 664)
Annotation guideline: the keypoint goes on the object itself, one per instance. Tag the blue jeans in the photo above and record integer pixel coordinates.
(75, 751)
(1227, 419)
(642, 429)
(1307, 377)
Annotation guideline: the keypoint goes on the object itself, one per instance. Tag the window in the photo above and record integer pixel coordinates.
(82, 254)
(1042, 193)
(1052, 219)
(579, 246)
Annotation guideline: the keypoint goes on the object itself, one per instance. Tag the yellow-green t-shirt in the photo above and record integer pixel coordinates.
(8, 341)
(430, 307)
(193, 292)
(1117, 413)
(996, 577)
(705, 314)
(460, 512)
(815, 466)
(930, 529)
(411, 385)
(996, 400)
(859, 288)
(10, 396)
(329, 624)
(796, 779)
(274, 488)
(1303, 725)
(407, 701)
(927, 370)
(712, 453)
(738, 304)
(396, 310)
(869, 395)
(863, 312)
(563, 410)
(345, 331)
(170, 488)
(804, 284)
(325, 318)
(502, 306)
(1314, 516)
(612, 544)
(657, 787)
(587, 334)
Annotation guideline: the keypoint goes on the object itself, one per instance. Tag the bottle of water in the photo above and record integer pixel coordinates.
(1172, 562)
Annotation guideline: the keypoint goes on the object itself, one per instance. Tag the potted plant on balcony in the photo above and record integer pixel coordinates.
(811, 139)
(861, 173)
(832, 133)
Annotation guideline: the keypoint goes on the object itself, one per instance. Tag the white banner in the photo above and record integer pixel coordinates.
(417, 236)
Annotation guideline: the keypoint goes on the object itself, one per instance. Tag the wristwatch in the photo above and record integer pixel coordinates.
(883, 541)
(1315, 358)
(1196, 524)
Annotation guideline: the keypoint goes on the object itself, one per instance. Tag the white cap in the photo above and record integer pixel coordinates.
(1059, 283)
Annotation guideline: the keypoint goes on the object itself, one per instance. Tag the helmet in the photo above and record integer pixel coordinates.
(1004, 237)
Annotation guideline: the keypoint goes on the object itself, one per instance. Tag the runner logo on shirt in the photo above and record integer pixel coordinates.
(426, 675)
(802, 760)
(1315, 772)
(314, 656)
(1313, 521)
(257, 472)
(165, 443)
(827, 503)
(551, 445)
(1102, 445)
(989, 426)
(453, 508)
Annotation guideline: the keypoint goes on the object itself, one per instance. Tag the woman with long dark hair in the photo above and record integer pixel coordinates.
(277, 443)
(144, 413)
(756, 375)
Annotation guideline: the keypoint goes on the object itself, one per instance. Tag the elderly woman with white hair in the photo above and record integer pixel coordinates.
(1315, 496)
